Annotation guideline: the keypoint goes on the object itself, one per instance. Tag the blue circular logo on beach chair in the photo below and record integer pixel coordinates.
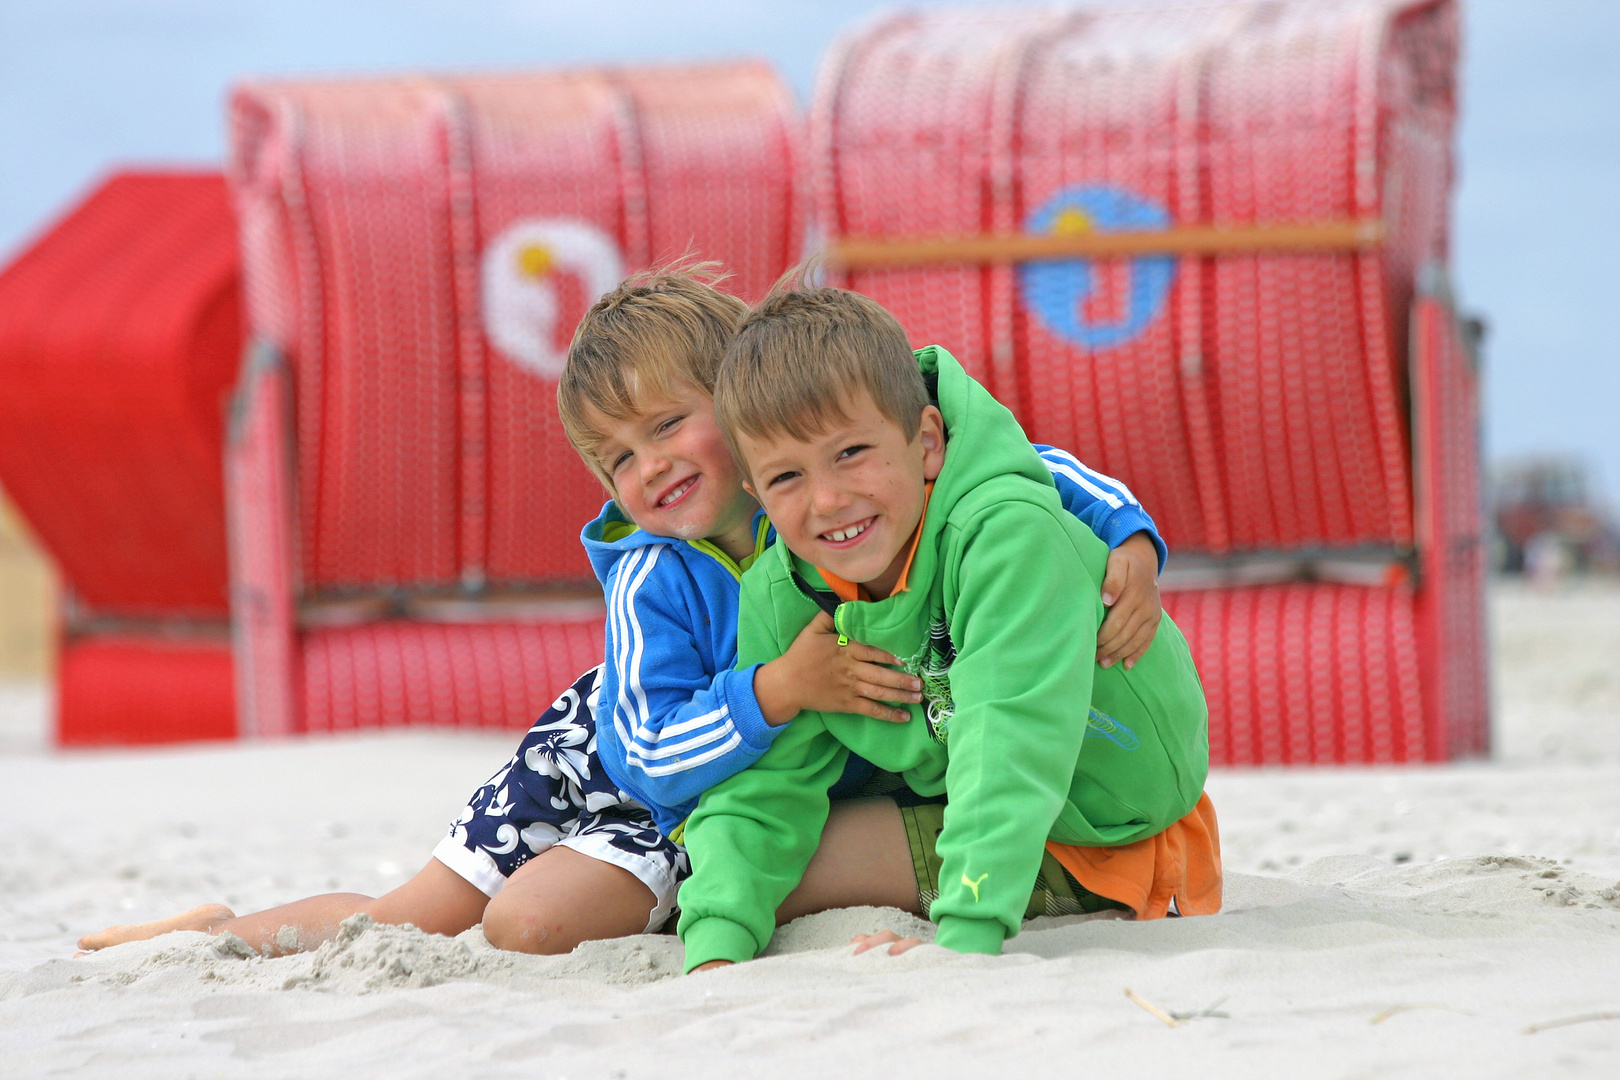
(1056, 291)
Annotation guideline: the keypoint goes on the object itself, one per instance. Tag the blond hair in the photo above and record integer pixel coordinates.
(661, 326)
(801, 353)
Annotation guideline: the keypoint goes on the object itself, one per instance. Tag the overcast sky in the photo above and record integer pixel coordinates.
(89, 84)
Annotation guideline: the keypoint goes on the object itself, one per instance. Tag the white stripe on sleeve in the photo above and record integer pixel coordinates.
(714, 715)
(631, 643)
(670, 748)
(1066, 464)
(692, 763)
(641, 743)
(621, 707)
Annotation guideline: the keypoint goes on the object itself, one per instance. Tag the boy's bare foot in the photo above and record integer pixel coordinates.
(203, 918)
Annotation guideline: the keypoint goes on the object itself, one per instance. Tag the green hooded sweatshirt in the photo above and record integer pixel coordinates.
(1027, 736)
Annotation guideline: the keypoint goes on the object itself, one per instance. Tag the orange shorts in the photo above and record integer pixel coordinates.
(1182, 863)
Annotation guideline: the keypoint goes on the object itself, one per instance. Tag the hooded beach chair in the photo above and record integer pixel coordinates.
(120, 334)
(405, 510)
(1186, 243)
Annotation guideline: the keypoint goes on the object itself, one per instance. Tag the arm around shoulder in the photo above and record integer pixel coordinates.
(1103, 504)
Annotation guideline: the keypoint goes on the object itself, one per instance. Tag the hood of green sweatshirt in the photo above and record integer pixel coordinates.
(983, 438)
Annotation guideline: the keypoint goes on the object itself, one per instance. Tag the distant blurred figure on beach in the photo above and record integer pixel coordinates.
(1547, 526)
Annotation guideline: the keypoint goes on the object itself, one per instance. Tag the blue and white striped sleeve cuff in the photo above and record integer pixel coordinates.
(737, 688)
(1125, 523)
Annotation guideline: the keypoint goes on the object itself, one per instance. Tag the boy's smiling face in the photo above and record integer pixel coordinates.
(672, 473)
(849, 500)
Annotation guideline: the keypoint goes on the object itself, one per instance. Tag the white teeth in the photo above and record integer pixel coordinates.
(677, 493)
(838, 536)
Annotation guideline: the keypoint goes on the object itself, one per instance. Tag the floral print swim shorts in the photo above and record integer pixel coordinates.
(555, 792)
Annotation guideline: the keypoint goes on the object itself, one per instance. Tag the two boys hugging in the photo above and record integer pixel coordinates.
(849, 661)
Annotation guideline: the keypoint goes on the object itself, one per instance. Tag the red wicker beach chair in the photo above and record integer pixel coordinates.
(1184, 241)
(405, 508)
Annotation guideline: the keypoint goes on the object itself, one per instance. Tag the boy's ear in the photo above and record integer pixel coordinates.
(932, 433)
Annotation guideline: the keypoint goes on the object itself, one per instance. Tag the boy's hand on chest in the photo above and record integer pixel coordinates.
(818, 674)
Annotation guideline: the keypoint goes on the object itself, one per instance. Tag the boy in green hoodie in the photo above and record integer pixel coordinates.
(913, 510)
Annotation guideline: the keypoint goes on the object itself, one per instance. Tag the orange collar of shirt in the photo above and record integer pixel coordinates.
(849, 590)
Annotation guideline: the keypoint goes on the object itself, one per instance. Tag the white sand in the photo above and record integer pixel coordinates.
(1379, 922)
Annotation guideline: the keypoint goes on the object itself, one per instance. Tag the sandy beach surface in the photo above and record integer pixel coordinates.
(1403, 922)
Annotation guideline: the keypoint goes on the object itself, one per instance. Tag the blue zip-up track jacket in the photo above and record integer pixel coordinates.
(674, 717)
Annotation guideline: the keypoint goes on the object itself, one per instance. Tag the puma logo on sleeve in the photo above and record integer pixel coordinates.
(974, 885)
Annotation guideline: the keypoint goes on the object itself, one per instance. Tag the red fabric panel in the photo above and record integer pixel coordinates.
(703, 162)
(1300, 373)
(1085, 120)
(403, 674)
(356, 187)
(1312, 673)
(129, 690)
(900, 148)
(119, 336)
(542, 149)
(1451, 603)
(720, 160)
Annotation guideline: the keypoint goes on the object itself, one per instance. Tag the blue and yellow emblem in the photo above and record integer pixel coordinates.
(1056, 290)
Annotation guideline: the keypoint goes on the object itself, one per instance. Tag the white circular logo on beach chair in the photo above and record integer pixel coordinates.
(539, 276)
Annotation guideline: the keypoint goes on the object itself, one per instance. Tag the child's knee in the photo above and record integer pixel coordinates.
(527, 927)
